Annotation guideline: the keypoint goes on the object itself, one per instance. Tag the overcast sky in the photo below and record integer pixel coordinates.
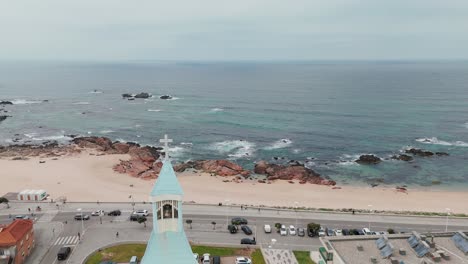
(233, 29)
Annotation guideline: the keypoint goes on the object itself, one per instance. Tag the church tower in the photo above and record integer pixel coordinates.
(168, 242)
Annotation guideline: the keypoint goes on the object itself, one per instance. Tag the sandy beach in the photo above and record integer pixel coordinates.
(85, 177)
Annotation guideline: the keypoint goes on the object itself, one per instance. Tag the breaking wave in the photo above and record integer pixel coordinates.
(282, 143)
(154, 110)
(217, 110)
(22, 102)
(235, 148)
(81, 103)
(436, 141)
(106, 131)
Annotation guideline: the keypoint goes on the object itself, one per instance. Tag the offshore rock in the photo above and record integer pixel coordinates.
(368, 159)
(419, 152)
(143, 95)
(5, 103)
(403, 157)
(165, 97)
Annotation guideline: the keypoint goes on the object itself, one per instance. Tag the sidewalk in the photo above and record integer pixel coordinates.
(45, 234)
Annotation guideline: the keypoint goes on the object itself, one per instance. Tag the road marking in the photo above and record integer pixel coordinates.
(68, 240)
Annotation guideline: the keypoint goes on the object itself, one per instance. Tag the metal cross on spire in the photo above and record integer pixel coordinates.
(166, 142)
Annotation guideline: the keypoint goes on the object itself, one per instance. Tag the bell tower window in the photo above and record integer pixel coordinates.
(167, 211)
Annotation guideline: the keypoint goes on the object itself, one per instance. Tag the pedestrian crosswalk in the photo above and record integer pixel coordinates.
(67, 240)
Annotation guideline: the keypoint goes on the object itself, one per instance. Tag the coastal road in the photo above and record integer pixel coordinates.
(98, 235)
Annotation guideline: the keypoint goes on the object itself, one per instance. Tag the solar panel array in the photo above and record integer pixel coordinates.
(461, 242)
(413, 241)
(381, 242)
(387, 250)
(422, 249)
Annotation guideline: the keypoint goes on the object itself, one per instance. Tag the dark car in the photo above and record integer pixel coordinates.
(135, 217)
(330, 232)
(63, 253)
(216, 260)
(81, 217)
(115, 213)
(246, 230)
(360, 232)
(301, 232)
(248, 241)
(232, 229)
(311, 233)
(346, 232)
(239, 221)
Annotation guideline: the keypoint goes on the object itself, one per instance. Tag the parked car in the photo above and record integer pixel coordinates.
(206, 258)
(346, 232)
(141, 213)
(267, 228)
(63, 253)
(338, 232)
(246, 230)
(21, 217)
(301, 232)
(115, 213)
(243, 260)
(292, 230)
(366, 231)
(232, 229)
(97, 213)
(81, 217)
(360, 232)
(248, 241)
(330, 232)
(216, 260)
(239, 221)
(135, 217)
(283, 230)
(133, 260)
(321, 232)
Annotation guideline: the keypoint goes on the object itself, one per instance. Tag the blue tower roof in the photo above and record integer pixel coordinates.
(170, 247)
(167, 182)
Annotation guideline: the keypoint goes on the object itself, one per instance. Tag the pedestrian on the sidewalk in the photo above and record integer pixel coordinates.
(29, 209)
(242, 207)
(79, 236)
(117, 235)
(354, 211)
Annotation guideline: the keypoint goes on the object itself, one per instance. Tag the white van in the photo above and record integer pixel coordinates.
(133, 260)
(366, 231)
(267, 228)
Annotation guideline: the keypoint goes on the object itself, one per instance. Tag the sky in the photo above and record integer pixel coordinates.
(227, 30)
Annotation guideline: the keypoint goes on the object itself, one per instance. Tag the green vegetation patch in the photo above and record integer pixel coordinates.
(214, 251)
(257, 257)
(303, 257)
(120, 253)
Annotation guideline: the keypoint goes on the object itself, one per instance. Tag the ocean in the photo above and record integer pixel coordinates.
(325, 114)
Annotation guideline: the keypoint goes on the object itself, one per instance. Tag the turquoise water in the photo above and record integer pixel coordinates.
(323, 113)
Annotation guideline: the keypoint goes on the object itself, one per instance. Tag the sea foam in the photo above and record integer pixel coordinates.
(22, 102)
(235, 148)
(217, 110)
(282, 143)
(436, 141)
(81, 103)
(154, 110)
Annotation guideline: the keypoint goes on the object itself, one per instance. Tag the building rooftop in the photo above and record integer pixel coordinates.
(14, 232)
(169, 247)
(364, 249)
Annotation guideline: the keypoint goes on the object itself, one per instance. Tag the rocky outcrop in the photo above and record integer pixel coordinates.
(442, 154)
(165, 97)
(3, 117)
(368, 159)
(290, 173)
(100, 143)
(419, 152)
(143, 95)
(5, 103)
(402, 157)
(217, 167)
(127, 95)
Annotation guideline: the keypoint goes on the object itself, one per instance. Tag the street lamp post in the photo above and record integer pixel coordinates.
(370, 211)
(227, 207)
(447, 219)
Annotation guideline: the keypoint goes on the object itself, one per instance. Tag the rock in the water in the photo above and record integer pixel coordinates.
(2, 118)
(165, 97)
(126, 95)
(419, 152)
(441, 153)
(368, 159)
(143, 95)
(403, 157)
(5, 103)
